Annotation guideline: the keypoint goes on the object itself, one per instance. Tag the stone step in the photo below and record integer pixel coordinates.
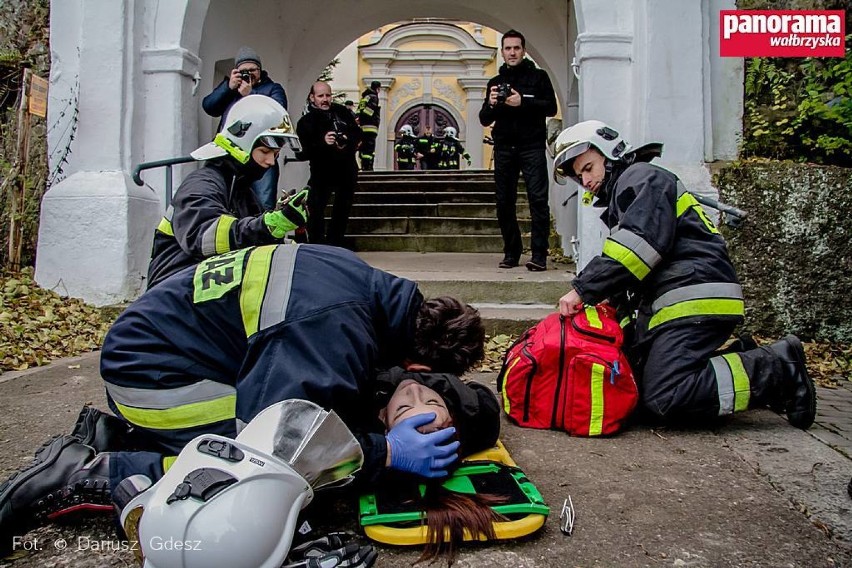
(475, 278)
(434, 185)
(427, 226)
(512, 319)
(479, 210)
(427, 243)
(420, 197)
(430, 174)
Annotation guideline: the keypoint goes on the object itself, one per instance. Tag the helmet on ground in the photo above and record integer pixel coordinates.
(253, 120)
(576, 139)
(450, 132)
(406, 130)
(235, 502)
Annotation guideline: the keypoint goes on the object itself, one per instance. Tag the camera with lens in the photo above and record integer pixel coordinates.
(504, 91)
(245, 76)
(339, 136)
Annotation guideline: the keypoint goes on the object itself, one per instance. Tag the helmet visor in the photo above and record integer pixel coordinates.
(279, 141)
(564, 161)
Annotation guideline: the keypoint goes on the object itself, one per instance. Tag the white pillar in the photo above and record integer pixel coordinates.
(96, 225)
(475, 91)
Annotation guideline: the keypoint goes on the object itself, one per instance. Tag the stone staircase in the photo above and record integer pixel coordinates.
(435, 211)
(451, 217)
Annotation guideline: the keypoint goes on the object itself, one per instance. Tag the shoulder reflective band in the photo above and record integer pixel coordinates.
(217, 275)
(597, 413)
(266, 286)
(203, 402)
(732, 383)
(686, 202)
(636, 254)
(710, 299)
(165, 227)
(216, 239)
(593, 317)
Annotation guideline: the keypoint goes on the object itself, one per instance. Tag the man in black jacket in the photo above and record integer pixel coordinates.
(518, 100)
(329, 138)
(214, 210)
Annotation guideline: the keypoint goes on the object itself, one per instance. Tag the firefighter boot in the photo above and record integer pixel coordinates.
(102, 431)
(66, 476)
(799, 390)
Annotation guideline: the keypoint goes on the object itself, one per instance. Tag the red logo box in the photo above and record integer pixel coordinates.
(782, 33)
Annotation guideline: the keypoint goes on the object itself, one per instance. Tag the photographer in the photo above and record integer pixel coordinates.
(519, 100)
(248, 78)
(329, 137)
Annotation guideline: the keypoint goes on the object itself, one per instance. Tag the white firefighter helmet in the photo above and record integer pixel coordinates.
(406, 130)
(235, 502)
(252, 120)
(576, 139)
(450, 132)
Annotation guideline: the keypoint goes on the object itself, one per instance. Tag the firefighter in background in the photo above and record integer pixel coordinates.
(368, 118)
(667, 253)
(427, 150)
(450, 149)
(405, 148)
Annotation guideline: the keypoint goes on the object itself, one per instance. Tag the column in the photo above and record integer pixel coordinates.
(474, 89)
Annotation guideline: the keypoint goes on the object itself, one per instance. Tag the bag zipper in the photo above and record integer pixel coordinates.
(602, 337)
(501, 377)
(528, 393)
(561, 371)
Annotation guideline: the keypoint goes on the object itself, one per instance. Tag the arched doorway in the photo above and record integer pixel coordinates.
(422, 116)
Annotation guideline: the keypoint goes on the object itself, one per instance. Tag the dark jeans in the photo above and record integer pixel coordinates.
(266, 188)
(344, 191)
(509, 162)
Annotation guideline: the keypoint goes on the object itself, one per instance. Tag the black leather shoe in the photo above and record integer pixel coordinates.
(798, 386)
(65, 476)
(537, 264)
(102, 431)
(508, 262)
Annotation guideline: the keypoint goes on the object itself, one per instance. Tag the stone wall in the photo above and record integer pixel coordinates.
(794, 252)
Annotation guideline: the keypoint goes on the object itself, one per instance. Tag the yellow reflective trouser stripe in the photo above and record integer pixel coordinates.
(627, 258)
(223, 233)
(732, 383)
(165, 227)
(183, 416)
(709, 307)
(593, 317)
(254, 287)
(596, 418)
(167, 462)
(505, 381)
(742, 386)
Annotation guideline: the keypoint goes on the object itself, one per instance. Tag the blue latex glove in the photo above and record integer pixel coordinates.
(423, 454)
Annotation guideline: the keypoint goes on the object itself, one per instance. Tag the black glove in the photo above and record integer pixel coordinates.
(332, 552)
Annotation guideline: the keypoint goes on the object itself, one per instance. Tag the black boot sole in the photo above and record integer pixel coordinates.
(801, 419)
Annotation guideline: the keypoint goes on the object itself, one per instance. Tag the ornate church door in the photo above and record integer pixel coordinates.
(421, 116)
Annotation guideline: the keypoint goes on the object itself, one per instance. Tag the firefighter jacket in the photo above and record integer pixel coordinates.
(521, 126)
(405, 149)
(213, 211)
(428, 146)
(223, 97)
(664, 248)
(222, 341)
(448, 154)
(368, 111)
(329, 162)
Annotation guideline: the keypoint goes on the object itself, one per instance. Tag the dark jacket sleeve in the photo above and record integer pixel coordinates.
(486, 113)
(201, 216)
(644, 198)
(218, 101)
(271, 89)
(544, 99)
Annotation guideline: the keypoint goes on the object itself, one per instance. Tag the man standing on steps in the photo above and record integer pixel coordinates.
(518, 100)
(329, 137)
(368, 118)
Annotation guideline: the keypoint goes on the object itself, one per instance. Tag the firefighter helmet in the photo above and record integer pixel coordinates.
(252, 120)
(576, 139)
(406, 130)
(450, 132)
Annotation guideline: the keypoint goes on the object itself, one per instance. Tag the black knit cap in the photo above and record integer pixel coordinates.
(474, 408)
(375, 85)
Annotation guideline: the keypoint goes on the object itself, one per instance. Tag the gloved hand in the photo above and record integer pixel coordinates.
(424, 454)
(332, 551)
(289, 214)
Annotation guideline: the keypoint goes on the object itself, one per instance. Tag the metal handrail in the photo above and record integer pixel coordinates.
(168, 163)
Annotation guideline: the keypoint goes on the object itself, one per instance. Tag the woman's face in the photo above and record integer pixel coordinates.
(410, 399)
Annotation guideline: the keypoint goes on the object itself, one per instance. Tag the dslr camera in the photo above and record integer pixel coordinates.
(504, 91)
(245, 76)
(339, 136)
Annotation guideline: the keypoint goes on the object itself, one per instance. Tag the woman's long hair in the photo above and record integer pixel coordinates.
(449, 514)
